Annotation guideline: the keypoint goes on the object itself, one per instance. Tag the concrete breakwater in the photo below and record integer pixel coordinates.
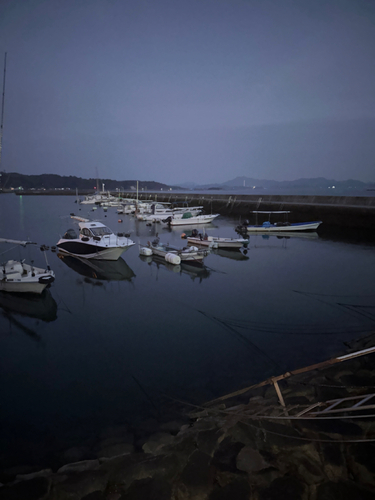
(340, 211)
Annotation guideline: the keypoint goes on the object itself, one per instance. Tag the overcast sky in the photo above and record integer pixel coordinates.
(189, 90)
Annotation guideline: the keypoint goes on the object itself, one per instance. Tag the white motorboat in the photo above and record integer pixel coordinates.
(269, 227)
(19, 277)
(159, 212)
(215, 241)
(95, 241)
(188, 219)
(172, 254)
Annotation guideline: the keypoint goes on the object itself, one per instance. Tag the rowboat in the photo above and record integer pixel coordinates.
(281, 226)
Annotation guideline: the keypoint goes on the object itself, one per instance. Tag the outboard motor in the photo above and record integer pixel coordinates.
(70, 235)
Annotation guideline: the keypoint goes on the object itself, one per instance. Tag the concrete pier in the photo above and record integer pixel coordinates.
(341, 211)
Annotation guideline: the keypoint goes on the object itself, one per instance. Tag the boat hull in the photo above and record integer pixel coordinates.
(199, 219)
(184, 256)
(31, 280)
(275, 228)
(216, 242)
(78, 248)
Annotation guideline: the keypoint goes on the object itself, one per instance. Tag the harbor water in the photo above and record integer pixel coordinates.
(117, 343)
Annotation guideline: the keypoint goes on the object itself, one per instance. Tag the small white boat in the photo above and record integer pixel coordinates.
(215, 241)
(19, 277)
(95, 241)
(172, 254)
(188, 219)
(269, 227)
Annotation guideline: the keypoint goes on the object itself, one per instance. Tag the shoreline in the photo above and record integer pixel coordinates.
(243, 445)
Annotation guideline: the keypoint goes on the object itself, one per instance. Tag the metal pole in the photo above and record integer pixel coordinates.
(2, 108)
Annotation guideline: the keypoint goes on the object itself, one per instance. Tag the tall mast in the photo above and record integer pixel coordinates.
(2, 108)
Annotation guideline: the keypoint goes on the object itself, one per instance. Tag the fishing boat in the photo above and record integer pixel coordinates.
(172, 254)
(19, 277)
(188, 218)
(94, 241)
(281, 226)
(215, 241)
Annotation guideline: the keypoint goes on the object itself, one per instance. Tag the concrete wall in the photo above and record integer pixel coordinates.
(342, 211)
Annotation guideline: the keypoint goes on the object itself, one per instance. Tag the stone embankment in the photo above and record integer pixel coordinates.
(245, 448)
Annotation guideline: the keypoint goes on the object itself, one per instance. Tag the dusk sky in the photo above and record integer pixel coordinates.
(189, 90)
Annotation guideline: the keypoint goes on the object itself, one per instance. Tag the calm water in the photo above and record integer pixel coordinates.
(95, 352)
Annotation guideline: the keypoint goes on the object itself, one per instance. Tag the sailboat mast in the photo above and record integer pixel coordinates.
(2, 108)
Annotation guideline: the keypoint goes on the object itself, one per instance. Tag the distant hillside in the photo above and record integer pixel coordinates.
(52, 181)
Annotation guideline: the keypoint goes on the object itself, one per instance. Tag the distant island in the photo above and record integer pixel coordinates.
(12, 181)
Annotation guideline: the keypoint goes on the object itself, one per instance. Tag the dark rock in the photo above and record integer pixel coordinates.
(149, 489)
(208, 441)
(343, 491)
(34, 489)
(364, 453)
(284, 488)
(196, 478)
(250, 460)
(77, 485)
(236, 490)
(332, 453)
(226, 455)
(96, 495)
(124, 470)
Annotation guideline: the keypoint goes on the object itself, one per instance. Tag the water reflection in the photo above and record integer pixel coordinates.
(195, 272)
(99, 269)
(233, 254)
(33, 305)
(42, 307)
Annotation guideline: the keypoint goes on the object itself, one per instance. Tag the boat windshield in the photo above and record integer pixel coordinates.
(100, 231)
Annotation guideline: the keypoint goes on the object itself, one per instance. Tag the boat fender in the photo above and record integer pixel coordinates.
(172, 258)
(145, 251)
(194, 249)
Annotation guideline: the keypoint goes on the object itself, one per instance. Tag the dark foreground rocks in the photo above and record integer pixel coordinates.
(232, 450)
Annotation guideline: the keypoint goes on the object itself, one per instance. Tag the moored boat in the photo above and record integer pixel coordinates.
(172, 254)
(215, 241)
(19, 277)
(95, 241)
(281, 226)
(188, 219)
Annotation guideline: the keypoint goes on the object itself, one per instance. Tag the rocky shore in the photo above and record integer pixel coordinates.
(245, 447)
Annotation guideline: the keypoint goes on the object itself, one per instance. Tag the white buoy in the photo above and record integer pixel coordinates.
(172, 258)
(145, 251)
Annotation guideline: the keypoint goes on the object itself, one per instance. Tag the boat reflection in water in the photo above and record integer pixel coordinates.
(16, 306)
(200, 272)
(42, 306)
(235, 254)
(105, 270)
